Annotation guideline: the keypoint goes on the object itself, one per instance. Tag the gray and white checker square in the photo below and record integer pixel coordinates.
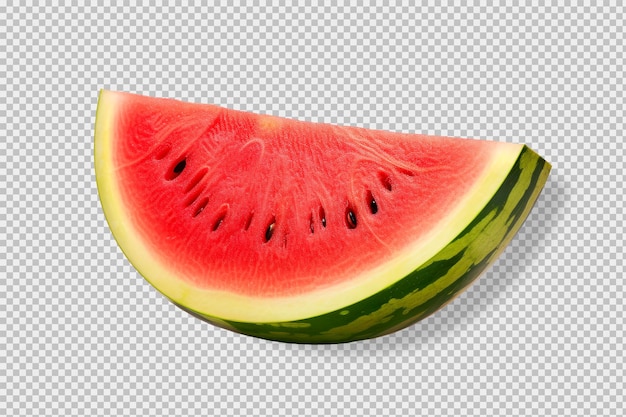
(541, 333)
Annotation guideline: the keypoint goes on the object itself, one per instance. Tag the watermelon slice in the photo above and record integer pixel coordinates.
(299, 231)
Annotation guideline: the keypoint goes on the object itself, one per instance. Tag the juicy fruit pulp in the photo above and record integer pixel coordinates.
(263, 224)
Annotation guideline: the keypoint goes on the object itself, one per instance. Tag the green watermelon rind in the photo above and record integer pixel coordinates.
(431, 286)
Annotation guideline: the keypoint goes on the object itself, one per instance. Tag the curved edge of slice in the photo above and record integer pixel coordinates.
(432, 285)
(401, 280)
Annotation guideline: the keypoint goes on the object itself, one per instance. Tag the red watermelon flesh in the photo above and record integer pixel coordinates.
(264, 206)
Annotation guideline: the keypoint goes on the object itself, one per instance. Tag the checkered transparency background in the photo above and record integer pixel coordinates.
(540, 334)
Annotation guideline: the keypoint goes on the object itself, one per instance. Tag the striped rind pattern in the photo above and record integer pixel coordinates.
(431, 286)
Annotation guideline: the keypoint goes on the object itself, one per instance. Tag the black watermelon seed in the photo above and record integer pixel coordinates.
(270, 230)
(350, 218)
(180, 166)
(372, 203)
(177, 170)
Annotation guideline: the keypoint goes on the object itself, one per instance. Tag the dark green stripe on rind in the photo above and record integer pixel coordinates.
(434, 284)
